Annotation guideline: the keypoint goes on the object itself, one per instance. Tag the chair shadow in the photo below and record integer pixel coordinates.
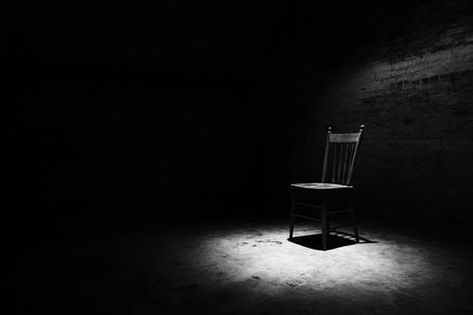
(335, 240)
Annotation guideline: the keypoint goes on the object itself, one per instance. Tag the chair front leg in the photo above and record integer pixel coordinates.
(324, 223)
(291, 229)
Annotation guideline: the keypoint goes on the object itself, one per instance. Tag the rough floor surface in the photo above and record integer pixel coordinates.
(245, 269)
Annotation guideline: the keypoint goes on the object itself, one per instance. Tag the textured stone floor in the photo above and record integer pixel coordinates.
(239, 268)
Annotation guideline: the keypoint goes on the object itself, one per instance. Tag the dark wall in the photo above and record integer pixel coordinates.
(411, 84)
(158, 102)
(80, 138)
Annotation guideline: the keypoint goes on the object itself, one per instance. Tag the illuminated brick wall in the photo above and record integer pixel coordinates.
(414, 91)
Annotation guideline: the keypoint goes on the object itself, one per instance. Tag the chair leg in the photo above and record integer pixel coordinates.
(291, 229)
(354, 222)
(324, 224)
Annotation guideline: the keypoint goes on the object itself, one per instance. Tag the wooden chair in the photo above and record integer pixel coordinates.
(339, 159)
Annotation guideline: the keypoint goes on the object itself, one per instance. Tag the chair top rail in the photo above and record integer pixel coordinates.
(344, 137)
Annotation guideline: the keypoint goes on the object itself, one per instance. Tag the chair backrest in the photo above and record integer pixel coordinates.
(340, 155)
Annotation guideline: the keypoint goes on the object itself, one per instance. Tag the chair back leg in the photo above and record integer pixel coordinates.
(353, 216)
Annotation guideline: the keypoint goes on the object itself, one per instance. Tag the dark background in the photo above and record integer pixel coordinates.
(196, 109)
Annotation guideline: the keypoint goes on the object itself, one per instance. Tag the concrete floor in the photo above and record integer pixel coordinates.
(245, 268)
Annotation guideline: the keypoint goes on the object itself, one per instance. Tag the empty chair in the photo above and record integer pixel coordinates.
(333, 195)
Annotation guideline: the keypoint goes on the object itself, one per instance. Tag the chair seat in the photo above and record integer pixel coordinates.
(321, 186)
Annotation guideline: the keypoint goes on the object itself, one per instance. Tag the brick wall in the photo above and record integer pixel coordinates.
(413, 89)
